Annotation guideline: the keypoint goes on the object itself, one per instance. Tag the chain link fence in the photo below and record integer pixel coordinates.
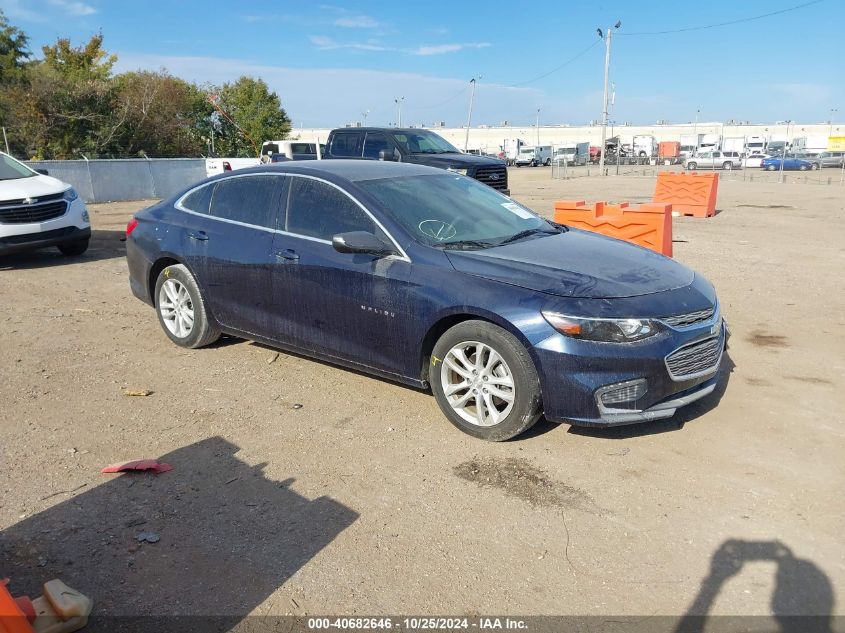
(113, 180)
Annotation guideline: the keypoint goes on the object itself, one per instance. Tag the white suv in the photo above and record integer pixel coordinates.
(714, 160)
(37, 211)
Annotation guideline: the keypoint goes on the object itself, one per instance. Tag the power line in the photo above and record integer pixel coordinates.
(713, 26)
(554, 70)
(442, 103)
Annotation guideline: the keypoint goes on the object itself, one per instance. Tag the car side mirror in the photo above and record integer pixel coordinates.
(362, 242)
(389, 155)
(43, 172)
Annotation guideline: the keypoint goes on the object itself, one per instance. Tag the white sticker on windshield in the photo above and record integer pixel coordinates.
(525, 214)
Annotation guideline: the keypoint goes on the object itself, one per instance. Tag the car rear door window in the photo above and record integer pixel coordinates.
(346, 144)
(317, 209)
(199, 200)
(374, 143)
(249, 199)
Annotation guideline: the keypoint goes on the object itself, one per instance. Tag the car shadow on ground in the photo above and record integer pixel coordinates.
(683, 415)
(228, 537)
(802, 600)
(105, 244)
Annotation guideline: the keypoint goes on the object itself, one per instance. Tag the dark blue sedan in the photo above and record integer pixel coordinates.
(435, 280)
(794, 163)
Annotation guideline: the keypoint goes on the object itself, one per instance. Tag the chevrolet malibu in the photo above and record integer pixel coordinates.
(434, 280)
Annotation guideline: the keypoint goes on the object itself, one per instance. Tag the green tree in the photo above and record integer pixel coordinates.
(256, 115)
(14, 50)
(66, 106)
(162, 115)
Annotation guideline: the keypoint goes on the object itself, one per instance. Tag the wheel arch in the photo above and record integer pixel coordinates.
(451, 319)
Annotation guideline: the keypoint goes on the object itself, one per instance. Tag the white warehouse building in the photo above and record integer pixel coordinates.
(490, 139)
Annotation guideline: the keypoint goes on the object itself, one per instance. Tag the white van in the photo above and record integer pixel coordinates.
(37, 211)
(534, 156)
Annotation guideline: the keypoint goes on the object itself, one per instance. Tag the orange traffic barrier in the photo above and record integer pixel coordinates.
(689, 193)
(649, 225)
(13, 619)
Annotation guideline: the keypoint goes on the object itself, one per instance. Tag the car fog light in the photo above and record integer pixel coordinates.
(622, 392)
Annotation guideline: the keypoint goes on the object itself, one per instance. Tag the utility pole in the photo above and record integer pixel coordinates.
(364, 114)
(5, 140)
(829, 123)
(399, 107)
(607, 41)
(469, 116)
(537, 125)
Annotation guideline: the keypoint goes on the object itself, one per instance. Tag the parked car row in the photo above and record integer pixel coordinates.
(773, 162)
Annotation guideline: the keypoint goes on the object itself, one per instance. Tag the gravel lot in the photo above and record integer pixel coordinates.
(365, 500)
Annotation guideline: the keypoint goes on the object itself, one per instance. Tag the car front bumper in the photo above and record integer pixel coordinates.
(575, 373)
(32, 241)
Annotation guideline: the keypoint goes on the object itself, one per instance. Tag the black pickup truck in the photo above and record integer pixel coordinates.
(417, 146)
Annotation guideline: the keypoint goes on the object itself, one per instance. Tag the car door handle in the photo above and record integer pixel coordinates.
(288, 254)
(201, 236)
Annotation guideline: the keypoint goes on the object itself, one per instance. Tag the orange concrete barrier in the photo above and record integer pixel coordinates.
(689, 193)
(649, 225)
(13, 619)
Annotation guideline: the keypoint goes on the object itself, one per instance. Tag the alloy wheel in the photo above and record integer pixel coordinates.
(176, 308)
(477, 383)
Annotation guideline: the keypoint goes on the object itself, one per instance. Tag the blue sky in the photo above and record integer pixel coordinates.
(331, 62)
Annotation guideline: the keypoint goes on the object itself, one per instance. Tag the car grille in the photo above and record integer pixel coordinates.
(696, 359)
(690, 318)
(29, 213)
(496, 177)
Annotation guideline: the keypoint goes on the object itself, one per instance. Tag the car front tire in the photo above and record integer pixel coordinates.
(181, 309)
(73, 249)
(727, 166)
(691, 166)
(485, 381)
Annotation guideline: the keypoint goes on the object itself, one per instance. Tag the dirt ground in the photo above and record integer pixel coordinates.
(365, 500)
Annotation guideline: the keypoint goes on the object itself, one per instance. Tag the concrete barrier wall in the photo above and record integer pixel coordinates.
(110, 180)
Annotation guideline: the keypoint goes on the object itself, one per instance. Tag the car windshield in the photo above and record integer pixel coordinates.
(10, 169)
(424, 143)
(451, 211)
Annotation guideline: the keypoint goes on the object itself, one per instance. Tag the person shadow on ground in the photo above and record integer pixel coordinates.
(802, 601)
(219, 539)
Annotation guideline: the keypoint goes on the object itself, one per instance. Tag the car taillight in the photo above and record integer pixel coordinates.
(226, 166)
(131, 226)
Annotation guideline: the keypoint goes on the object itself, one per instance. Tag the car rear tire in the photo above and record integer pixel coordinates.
(814, 167)
(485, 381)
(74, 249)
(692, 166)
(727, 166)
(181, 310)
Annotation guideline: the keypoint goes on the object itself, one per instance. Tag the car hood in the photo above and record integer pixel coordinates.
(576, 264)
(458, 161)
(33, 187)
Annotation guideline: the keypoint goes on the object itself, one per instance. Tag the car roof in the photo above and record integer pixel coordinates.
(348, 169)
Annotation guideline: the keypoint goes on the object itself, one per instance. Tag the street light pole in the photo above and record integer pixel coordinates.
(607, 41)
(399, 107)
(364, 114)
(830, 122)
(469, 116)
(695, 130)
(783, 151)
(537, 125)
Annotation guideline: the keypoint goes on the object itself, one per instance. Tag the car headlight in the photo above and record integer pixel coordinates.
(455, 170)
(70, 194)
(603, 330)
